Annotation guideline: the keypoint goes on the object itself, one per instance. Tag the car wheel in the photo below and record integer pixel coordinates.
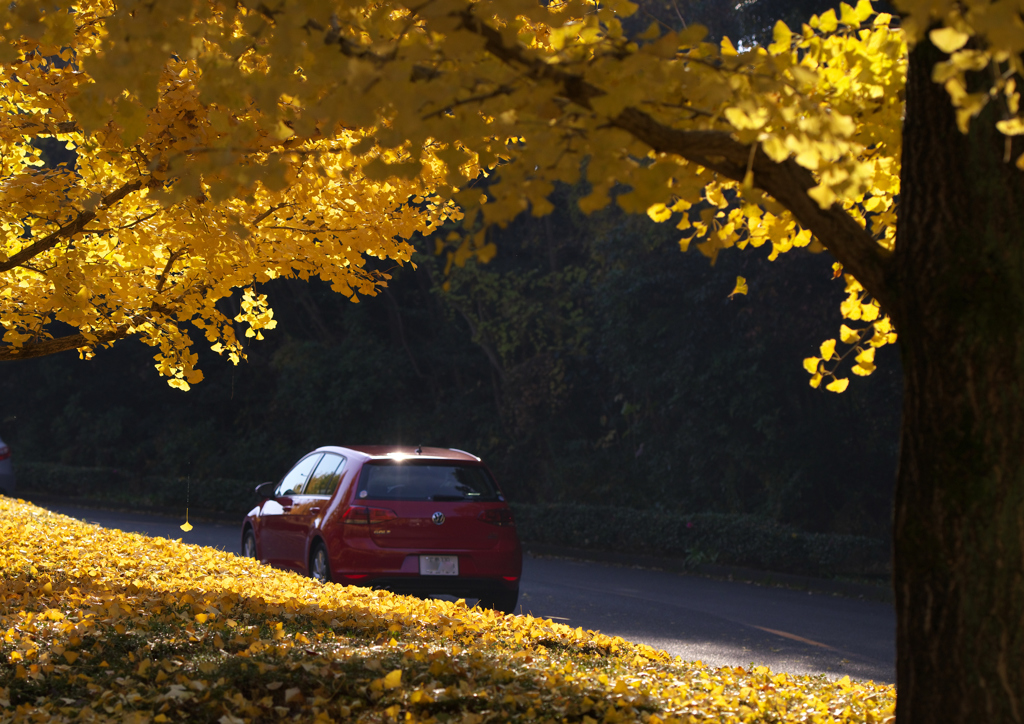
(319, 564)
(505, 601)
(249, 544)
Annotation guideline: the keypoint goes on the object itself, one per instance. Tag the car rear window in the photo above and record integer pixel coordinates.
(407, 480)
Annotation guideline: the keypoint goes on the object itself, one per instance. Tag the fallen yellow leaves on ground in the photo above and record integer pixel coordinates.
(99, 625)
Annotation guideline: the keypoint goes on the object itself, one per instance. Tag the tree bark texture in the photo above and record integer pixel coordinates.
(957, 282)
(58, 344)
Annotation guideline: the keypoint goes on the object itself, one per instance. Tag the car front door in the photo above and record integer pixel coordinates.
(277, 531)
(308, 507)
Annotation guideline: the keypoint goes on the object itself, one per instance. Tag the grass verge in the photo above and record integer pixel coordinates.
(99, 625)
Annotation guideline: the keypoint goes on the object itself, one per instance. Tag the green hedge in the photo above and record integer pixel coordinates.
(739, 540)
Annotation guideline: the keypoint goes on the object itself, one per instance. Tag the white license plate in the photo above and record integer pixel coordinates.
(439, 565)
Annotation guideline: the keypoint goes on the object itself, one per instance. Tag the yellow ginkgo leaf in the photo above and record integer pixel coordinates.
(948, 40)
(775, 148)
(659, 212)
(741, 287)
(849, 336)
(860, 13)
(838, 385)
(486, 253)
(811, 364)
(828, 349)
(781, 33)
(827, 22)
(393, 680)
(1011, 127)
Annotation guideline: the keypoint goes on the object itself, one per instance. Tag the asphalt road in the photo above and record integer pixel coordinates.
(718, 622)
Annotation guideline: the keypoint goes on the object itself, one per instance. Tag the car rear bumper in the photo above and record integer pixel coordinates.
(480, 572)
(359, 556)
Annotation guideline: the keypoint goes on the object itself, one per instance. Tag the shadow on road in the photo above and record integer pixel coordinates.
(722, 623)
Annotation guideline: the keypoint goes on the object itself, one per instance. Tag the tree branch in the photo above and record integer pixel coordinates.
(474, 331)
(788, 182)
(69, 230)
(320, 230)
(60, 344)
(126, 329)
(132, 225)
(500, 90)
(44, 127)
(272, 209)
(161, 278)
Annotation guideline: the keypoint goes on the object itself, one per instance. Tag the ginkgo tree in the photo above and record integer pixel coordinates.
(891, 142)
(132, 239)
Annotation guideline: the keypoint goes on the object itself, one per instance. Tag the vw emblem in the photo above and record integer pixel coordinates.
(438, 518)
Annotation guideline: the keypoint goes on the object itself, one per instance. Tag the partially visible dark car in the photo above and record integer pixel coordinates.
(6, 471)
(423, 521)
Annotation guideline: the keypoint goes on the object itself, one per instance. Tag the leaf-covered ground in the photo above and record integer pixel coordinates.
(99, 625)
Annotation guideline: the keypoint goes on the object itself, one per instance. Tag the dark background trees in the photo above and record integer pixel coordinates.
(590, 360)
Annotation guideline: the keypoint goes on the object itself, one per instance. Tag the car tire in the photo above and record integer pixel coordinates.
(249, 544)
(320, 564)
(504, 601)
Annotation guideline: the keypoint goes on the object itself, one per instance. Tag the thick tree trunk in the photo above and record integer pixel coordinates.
(958, 278)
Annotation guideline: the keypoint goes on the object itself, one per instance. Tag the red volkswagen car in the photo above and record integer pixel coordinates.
(411, 520)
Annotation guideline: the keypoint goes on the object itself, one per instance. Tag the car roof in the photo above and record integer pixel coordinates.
(379, 452)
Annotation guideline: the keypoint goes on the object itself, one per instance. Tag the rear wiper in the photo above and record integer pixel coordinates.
(446, 498)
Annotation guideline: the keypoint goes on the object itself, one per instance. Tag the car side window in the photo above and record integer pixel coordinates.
(327, 476)
(294, 482)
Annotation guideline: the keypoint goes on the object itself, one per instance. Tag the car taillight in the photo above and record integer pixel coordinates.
(497, 516)
(5, 452)
(363, 515)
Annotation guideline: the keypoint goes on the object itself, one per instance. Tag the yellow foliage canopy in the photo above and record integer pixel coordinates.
(174, 202)
(223, 143)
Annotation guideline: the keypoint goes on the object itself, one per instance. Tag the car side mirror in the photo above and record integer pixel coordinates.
(265, 491)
